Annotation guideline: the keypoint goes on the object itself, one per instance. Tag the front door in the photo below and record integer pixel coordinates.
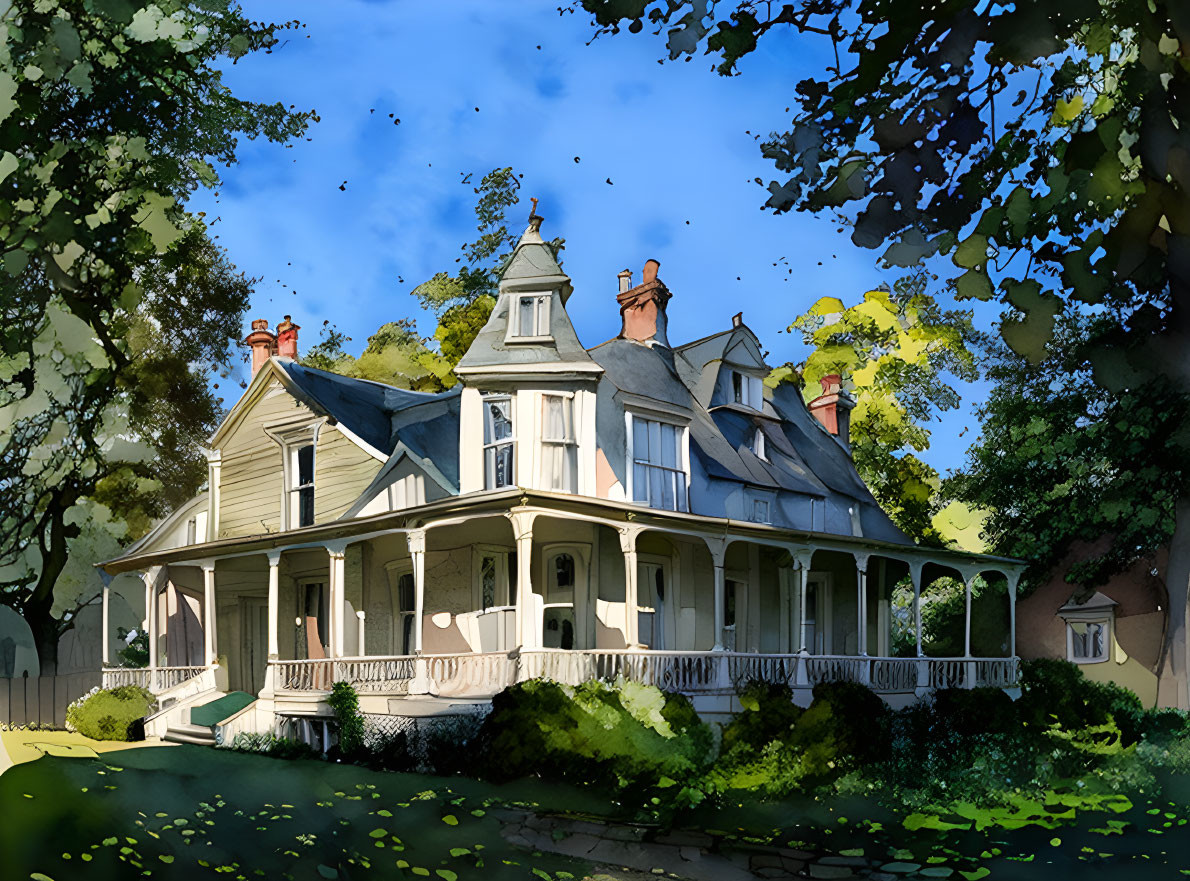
(314, 612)
(254, 643)
(651, 593)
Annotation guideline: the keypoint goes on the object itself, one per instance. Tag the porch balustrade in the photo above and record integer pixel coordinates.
(484, 674)
(155, 679)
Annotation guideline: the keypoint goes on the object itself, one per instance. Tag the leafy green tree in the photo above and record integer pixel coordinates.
(1060, 459)
(111, 114)
(894, 350)
(395, 355)
(1040, 146)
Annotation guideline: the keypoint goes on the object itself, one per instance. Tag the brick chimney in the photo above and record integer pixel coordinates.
(833, 408)
(263, 343)
(642, 308)
(287, 338)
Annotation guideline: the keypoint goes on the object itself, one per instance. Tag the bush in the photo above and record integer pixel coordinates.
(349, 723)
(972, 711)
(1055, 691)
(111, 714)
(274, 746)
(625, 735)
(769, 714)
(848, 716)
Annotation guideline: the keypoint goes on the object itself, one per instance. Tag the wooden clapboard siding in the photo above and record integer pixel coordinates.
(341, 472)
(252, 476)
(251, 480)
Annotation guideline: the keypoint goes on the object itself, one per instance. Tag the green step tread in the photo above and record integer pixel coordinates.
(216, 711)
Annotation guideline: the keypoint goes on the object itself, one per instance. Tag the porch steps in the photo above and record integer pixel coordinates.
(213, 712)
(183, 732)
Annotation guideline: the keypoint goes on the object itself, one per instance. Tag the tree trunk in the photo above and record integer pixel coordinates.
(38, 609)
(1173, 684)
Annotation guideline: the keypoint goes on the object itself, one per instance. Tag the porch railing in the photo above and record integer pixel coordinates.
(484, 674)
(155, 679)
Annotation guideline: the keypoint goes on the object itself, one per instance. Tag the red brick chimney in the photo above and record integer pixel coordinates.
(642, 308)
(287, 338)
(263, 343)
(833, 408)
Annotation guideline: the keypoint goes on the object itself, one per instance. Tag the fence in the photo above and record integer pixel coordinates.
(42, 700)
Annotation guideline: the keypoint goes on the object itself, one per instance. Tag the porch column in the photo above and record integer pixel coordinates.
(628, 536)
(967, 618)
(861, 604)
(421, 683)
(105, 643)
(803, 589)
(1013, 578)
(416, 540)
(915, 577)
(718, 549)
(335, 582)
(210, 643)
(528, 624)
(274, 602)
(151, 616)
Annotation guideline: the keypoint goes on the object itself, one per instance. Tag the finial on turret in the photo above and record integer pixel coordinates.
(534, 218)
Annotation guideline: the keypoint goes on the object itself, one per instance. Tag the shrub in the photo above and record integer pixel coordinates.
(768, 714)
(349, 722)
(111, 714)
(274, 746)
(625, 735)
(972, 711)
(1056, 691)
(851, 718)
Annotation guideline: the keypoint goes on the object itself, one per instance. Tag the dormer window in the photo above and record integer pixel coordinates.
(301, 485)
(758, 445)
(499, 444)
(559, 459)
(532, 317)
(747, 391)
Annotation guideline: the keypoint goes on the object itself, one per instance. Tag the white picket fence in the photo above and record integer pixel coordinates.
(42, 700)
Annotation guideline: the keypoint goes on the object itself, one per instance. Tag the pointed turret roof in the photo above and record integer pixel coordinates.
(532, 269)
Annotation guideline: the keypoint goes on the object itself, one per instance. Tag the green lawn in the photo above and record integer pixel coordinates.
(195, 812)
(186, 812)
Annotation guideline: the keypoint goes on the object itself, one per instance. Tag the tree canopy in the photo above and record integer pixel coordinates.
(116, 306)
(894, 350)
(1060, 459)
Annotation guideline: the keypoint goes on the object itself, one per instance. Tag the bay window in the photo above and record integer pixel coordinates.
(499, 442)
(657, 456)
(559, 452)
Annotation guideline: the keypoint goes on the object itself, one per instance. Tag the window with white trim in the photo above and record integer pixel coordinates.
(559, 450)
(499, 442)
(747, 390)
(532, 317)
(761, 511)
(301, 485)
(1087, 640)
(758, 444)
(657, 453)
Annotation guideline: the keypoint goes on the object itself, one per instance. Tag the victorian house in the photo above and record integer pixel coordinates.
(638, 509)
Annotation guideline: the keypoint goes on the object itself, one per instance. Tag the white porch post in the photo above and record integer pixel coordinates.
(210, 644)
(336, 571)
(967, 617)
(151, 616)
(106, 655)
(528, 624)
(718, 549)
(628, 536)
(861, 604)
(1013, 578)
(421, 683)
(803, 590)
(915, 577)
(274, 602)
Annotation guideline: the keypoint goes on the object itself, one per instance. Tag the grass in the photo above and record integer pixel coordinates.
(189, 812)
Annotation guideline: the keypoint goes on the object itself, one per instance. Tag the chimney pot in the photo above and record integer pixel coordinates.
(737, 319)
(650, 271)
(625, 278)
(263, 343)
(287, 335)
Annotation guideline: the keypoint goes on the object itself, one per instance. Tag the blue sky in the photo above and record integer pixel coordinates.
(676, 140)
